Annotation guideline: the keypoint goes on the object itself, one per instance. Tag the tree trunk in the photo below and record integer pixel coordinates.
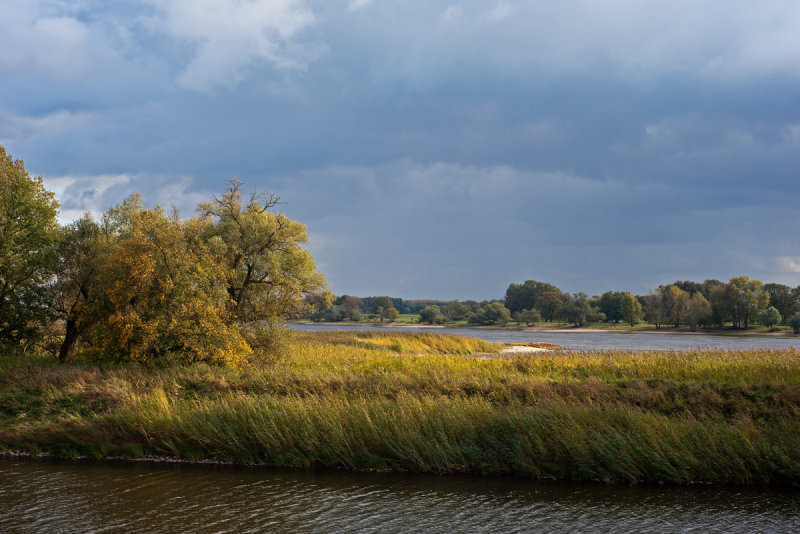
(70, 339)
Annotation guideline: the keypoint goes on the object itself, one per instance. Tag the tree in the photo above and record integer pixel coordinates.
(455, 311)
(611, 305)
(523, 296)
(166, 296)
(770, 317)
(494, 313)
(76, 289)
(548, 302)
(631, 309)
(698, 310)
(267, 271)
(28, 236)
(781, 297)
(390, 314)
(575, 309)
(674, 299)
(794, 322)
(746, 299)
(653, 307)
(431, 315)
(380, 307)
(529, 317)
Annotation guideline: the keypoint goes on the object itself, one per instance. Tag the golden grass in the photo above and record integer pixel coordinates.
(430, 402)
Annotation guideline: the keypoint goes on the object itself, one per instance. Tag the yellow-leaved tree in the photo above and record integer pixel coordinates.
(267, 272)
(164, 297)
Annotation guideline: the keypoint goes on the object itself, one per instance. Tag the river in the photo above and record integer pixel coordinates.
(76, 496)
(593, 340)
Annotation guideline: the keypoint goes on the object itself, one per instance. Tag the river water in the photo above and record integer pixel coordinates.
(74, 496)
(593, 340)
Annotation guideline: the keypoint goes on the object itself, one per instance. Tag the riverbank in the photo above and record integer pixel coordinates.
(417, 401)
(563, 327)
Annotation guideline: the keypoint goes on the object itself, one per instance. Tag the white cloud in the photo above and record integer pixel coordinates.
(501, 11)
(228, 36)
(355, 5)
(788, 264)
(53, 46)
(452, 15)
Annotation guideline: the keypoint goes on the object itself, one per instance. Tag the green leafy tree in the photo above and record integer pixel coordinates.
(494, 313)
(28, 237)
(782, 298)
(794, 322)
(653, 308)
(610, 304)
(523, 296)
(529, 317)
(698, 310)
(431, 315)
(575, 309)
(746, 299)
(770, 317)
(631, 308)
(390, 314)
(77, 291)
(455, 311)
(267, 271)
(380, 307)
(674, 300)
(548, 302)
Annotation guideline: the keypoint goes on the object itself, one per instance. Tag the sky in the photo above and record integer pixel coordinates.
(433, 149)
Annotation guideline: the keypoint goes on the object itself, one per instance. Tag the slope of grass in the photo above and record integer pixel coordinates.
(431, 403)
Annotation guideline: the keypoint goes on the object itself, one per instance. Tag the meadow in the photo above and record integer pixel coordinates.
(427, 402)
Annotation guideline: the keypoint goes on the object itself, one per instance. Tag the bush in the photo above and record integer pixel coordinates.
(794, 322)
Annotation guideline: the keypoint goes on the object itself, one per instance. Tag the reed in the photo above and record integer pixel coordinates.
(429, 403)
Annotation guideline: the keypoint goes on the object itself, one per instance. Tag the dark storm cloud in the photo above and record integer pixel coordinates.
(434, 149)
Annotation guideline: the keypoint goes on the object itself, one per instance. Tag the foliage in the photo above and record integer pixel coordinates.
(794, 322)
(523, 296)
(674, 299)
(783, 299)
(611, 305)
(455, 311)
(745, 299)
(698, 310)
(165, 296)
(529, 317)
(431, 315)
(631, 309)
(266, 270)
(653, 307)
(575, 309)
(770, 317)
(28, 235)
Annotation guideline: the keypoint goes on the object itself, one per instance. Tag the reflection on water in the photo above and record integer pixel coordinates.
(44, 496)
(593, 340)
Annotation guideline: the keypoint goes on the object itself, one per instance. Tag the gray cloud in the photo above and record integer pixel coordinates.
(434, 149)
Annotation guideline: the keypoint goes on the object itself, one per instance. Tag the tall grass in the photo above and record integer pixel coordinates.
(428, 402)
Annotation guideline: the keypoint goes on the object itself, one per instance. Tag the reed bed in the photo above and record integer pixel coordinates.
(427, 402)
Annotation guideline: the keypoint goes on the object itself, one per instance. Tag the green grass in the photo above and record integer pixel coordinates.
(429, 403)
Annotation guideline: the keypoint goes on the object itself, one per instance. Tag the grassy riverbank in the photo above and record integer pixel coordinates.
(429, 403)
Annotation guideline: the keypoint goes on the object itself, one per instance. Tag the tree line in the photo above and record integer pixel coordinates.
(739, 302)
(146, 285)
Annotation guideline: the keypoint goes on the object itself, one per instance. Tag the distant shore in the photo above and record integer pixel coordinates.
(563, 328)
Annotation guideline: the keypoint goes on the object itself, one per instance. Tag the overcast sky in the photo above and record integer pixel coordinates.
(434, 149)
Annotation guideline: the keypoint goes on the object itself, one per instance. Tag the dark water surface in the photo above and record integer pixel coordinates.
(593, 340)
(55, 497)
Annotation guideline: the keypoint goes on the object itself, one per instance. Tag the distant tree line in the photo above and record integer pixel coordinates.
(740, 302)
